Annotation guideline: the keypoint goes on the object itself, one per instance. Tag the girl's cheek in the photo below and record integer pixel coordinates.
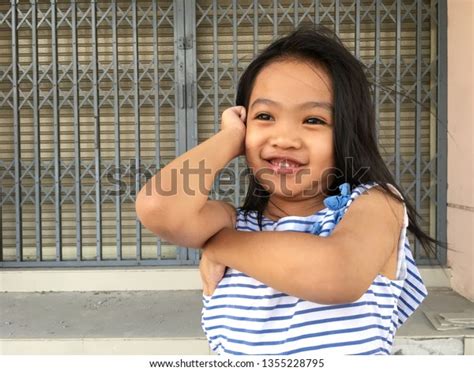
(253, 132)
(250, 140)
(251, 152)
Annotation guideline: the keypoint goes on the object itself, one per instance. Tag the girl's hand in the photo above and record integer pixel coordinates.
(211, 273)
(234, 118)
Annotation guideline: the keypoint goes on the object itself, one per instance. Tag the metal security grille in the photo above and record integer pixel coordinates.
(88, 105)
(95, 96)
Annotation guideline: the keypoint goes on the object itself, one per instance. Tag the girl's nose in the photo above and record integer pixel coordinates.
(286, 138)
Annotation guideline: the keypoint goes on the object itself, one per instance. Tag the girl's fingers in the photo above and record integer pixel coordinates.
(234, 117)
(211, 274)
(240, 111)
(243, 114)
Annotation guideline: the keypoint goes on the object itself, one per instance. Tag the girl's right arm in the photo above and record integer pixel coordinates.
(174, 203)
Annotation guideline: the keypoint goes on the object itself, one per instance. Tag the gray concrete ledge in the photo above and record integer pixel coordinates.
(168, 322)
(438, 300)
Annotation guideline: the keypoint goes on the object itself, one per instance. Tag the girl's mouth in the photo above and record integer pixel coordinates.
(282, 166)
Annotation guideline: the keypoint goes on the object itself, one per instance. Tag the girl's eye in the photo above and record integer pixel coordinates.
(263, 116)
(315, 121)
(311, 120)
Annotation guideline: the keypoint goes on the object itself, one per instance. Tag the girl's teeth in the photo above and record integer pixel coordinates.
(285, 164)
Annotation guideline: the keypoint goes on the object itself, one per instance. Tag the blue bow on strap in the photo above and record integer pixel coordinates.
(336, 203)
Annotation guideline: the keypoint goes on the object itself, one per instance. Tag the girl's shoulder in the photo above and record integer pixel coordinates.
(370, 196)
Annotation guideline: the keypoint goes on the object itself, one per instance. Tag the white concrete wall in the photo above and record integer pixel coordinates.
(135, 279)
(460, 145)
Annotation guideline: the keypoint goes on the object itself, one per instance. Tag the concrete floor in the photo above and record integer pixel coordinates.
(101, 314)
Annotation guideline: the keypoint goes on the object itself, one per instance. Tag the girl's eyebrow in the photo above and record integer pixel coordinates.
(325, 105)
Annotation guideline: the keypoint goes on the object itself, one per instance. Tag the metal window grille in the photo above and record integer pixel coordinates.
(95, 96)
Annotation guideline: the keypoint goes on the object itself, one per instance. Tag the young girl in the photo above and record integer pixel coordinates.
(318, 256)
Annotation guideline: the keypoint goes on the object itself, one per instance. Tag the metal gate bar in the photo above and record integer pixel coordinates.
(117, 171)
(442, 129)
(56, 139)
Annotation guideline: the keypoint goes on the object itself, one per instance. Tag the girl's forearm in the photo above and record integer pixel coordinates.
(180, 189)
(300, 264)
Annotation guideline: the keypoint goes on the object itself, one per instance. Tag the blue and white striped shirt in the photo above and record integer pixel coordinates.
(246, 317)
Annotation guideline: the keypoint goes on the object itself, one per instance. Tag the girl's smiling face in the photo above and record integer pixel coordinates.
(290, 116)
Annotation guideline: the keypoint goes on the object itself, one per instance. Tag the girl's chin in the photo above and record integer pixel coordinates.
(283, 190)
(288, 187)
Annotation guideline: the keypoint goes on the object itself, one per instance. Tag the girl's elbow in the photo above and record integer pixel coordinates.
(163, 224)
(348, 296)
(349, 292)
(153, 217)
(338, 291)
(334, 298)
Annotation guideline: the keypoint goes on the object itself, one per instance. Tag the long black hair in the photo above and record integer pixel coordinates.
(354, 134)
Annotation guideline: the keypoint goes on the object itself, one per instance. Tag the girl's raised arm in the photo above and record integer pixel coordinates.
(174, 203)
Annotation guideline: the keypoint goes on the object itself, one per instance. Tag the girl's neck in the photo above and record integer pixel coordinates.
(278, 208)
